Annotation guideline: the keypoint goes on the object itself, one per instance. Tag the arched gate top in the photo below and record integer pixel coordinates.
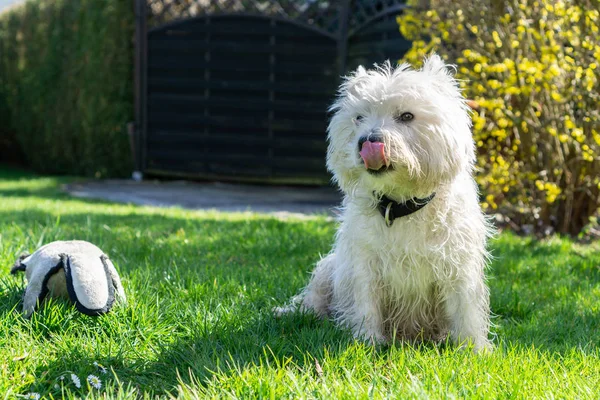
(337, 17)
(323, 15)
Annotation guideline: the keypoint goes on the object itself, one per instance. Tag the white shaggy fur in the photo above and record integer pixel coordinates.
(422, 277)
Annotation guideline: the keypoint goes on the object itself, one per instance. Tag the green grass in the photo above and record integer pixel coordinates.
(197, 324)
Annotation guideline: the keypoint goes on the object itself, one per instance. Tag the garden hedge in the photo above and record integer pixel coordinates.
(532, 66)
(66, 85)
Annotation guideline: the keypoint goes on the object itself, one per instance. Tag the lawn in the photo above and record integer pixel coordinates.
(197, 324)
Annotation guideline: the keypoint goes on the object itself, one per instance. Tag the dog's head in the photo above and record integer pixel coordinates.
(400, 131)
(19, 265)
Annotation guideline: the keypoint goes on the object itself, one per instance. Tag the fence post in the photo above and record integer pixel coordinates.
(141, 56)
(344, 15)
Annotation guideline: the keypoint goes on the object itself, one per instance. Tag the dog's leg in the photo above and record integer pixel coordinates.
(357, 302)
(316, 296)
(467, 308)
(367, 323)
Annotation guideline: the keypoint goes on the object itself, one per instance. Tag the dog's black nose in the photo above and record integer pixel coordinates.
(373, 138)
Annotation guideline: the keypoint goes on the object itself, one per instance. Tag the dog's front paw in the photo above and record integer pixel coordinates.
(479, 346)
(281, 311)
(371, 336)
(483, 346)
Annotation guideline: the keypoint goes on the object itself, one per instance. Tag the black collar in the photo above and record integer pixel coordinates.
(390, 210)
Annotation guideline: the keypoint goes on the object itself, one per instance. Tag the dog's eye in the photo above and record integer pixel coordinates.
(358, 119)
(404, 117)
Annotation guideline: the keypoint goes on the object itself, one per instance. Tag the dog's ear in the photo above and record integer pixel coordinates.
(434, 65)
(19, 266)
(351, 81)
(360, 71)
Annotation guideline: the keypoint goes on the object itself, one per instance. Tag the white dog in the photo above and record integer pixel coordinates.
(409, 257)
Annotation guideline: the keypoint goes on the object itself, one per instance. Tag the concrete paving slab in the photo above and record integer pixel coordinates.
(213, 196)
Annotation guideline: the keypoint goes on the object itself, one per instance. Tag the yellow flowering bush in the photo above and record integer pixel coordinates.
(532, 67)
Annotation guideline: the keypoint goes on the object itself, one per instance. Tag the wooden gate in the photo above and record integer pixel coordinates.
(239, 90)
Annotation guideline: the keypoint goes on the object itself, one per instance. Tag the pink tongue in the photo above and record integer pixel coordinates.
(373, 154)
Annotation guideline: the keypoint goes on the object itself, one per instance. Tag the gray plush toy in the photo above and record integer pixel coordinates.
(73, 269)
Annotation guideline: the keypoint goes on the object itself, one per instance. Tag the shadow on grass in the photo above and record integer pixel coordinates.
(198, 356)
(299, 339)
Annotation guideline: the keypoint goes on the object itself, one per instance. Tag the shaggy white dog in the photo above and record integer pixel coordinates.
(409, 257)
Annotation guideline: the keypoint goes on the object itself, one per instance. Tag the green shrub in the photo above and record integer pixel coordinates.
(532, 66)
(66, 71)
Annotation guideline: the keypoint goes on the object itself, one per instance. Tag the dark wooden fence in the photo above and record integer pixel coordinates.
(239, 90)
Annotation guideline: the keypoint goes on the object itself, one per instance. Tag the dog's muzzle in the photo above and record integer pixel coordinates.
(372, 151)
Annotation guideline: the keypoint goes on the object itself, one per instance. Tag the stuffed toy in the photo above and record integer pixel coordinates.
(73, 269)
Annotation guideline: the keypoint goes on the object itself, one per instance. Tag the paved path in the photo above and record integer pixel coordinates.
(220, 196)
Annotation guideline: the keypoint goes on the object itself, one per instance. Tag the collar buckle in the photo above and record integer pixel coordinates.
(388, 221)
